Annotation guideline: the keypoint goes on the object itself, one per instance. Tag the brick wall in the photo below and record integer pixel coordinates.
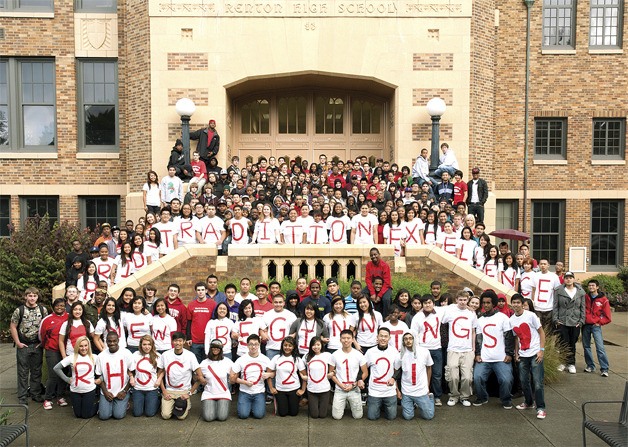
(187, 61)
(423, 132)
(432, 61)
(420, 96)
(200, 96)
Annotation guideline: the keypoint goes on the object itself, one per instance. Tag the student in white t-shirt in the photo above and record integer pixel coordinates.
(147, 378)
(239, 227)
(116, 369)
(544, 284)
(277, 322)
(266, 228)
(137, 323)
(415, 229)
(216, 396)
(527, 281)
(285, 368)
(491, 263)
(247, 324)
(364, 227)
(396, 327)
(219, 328)
(169, 233)
(250, 372)
(291, 230)
(338, 224)
(109, 321)
(349, 376)
(509, 272)
(211, 228)
(185, 222)
(337, 321)
(465, 246)
(317, 231)
(318, 370)
(416, 373)
(383, 361)
(447, 239)
(164, 325)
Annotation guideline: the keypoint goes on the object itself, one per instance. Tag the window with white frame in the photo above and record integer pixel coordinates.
(606, 23)
(559, 19)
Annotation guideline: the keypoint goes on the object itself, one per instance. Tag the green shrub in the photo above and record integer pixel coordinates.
(623, 276)
(610, 285)
(554, 355)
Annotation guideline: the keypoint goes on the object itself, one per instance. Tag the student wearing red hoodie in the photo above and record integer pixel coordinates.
(49, 337)
(176, 308)
(376, 267)
(597, 314)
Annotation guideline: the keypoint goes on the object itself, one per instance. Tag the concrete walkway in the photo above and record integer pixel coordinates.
(489, 425)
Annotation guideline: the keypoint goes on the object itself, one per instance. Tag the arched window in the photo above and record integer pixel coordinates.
(329, 113)
(255, 117)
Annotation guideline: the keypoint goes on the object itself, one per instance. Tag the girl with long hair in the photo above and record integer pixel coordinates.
(83, 391)
(76, 326)
(147, 379)
(285, 366)
(317, 372)
(109, 321)
(163, 326)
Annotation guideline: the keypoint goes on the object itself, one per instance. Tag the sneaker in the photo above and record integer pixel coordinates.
(465, 402)
(589, 369)
(47, 405)
(571, 369)
(524, 406)
(269, 400)
(541, 414)
(38, 399)
(507, 406)
(437, 402)
(561, 367)
(479, 402)
(452, 401)
(604, 374)
(62, 402)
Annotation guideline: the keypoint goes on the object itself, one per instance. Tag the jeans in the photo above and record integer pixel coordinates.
(115, 408)
(527, 365)
(251, 405)
(198, 349)
(270, 353)
(29, 362)
(133, 349)
(437, 372)
(439, 172)
(212, 410)
(55, 387)
(340, 402)
(145, 403)
(477, 209)
(84, 404)
(375, 404)
(589, 330)
(502, 370)
(425, 405)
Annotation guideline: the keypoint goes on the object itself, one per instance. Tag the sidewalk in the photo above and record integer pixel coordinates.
(489, 425)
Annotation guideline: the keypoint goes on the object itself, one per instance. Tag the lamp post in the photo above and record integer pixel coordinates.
(185, 107)
(436, 108)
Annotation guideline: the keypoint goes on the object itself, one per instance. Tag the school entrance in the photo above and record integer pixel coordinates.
(308, 114)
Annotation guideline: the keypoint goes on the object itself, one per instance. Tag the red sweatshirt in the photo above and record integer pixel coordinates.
(597, 310)
(381, 269)
(179, 312)
(49, 330)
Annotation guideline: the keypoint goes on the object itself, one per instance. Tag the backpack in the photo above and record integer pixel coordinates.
(21, 309)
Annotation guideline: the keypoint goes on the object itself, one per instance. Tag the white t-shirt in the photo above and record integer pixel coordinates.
(527, 283)
(367, 329)
(491, 269)
(101, 329)
(251, 369)
(413, 231)
(317, 369)
(82, 373)
(186, 234)
(217, 375)
(382, 366)
(396, 333)
(145, 372)
(74, 335)
(278, 324)
(239, 231)
(305, 222)
(218, 330)
(427, 328)
(210, 229)
(104, 268)
(414, 374)
(85, 291)
(492, 328)
(338, 227)
(136, 327)
(139, 260)
(163, 327)
(123, 271)
(151, 251)
(245, 328)
(153, 198)
(467, 248)
(306, 330)
(394, 234)
(317, 233)
(429, 235)
(508, 277)
(347, 365)
(114, 368)
(447, 242)
(526, 327)
(461, 324)
(336, 325)
(479, 257)
(363, 226)
(286, 372)
(292, 232)
(178, 369)
(267, 231)
(169, 232)
(545, 283)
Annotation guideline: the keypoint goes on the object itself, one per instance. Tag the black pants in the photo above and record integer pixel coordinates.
(318, 404)
(287, 403)
(55, 387)
(568, 335)
(477, 209)
(84, 404)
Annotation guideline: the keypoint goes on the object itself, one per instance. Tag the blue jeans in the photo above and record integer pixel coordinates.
(145, 403)
(198, 349)
(425, 405)
(527, 365)
(502, 370)
(375, 404)
(439, 172)
(115, 408)
(437, 372)
(251, 405)
(589, 330)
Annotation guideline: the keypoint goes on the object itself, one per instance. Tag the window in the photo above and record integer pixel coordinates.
(27, 105)
(550, 138)
(27, 5)
(609, 138)
(98, 110)
(98, 210)
(548, 230)
(559, 23)
(329, 113)
(366, 116)
(255, 117)
(5, 216)
(507, 217)
(607, 228)
(95, 6)
(606, 23)
(291, 114)
(34, 207)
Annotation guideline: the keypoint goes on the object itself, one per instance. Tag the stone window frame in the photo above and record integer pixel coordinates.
(555, 12)
(111, 216)
(601, 217)
(110, 6)
(608, 11)
(544, 148)
(18, 6)
(13, 100)
(600, 143)
(82, 102)
(542, 237)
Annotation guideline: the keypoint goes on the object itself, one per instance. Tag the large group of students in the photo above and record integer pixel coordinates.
(310, 346)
